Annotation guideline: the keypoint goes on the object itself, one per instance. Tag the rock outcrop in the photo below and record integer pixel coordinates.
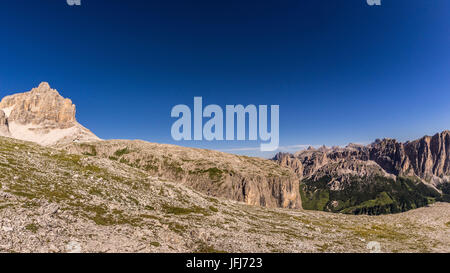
(430, 156)
(4, 130)
(357, 170)
(254, 181)
(43, 116)
(427, 158)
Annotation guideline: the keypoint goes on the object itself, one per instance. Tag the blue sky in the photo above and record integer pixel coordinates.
(341, 71)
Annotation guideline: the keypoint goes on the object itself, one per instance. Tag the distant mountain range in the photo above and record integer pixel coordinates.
(384, 177)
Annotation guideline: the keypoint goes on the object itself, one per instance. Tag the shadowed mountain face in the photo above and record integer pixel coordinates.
(384, 177)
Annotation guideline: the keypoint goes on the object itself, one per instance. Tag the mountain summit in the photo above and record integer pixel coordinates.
(43, 116)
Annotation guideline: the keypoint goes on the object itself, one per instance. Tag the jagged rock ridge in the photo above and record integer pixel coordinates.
(416, 172)
(427, 158)
(254, 181)
(43, 116)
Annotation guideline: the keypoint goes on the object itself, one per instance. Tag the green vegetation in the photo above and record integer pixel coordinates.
(92, 151)
(3, 206)
(213, 209)
(32, 227)
(367, 195)
(381, 204)
(122, 152)
(95, 191)
(445, 188)
(183, 211)
(203, 247)
(155, 244)
(214, 174)
(177, 228)
(174, 168)
(151, 167)
(379, 232)
(213, 200)
(317, 200)
(101, 216)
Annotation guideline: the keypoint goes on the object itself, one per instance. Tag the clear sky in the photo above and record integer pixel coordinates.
(341, 71)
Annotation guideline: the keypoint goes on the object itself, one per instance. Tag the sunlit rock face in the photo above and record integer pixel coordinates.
(41, 115)
(383, 177)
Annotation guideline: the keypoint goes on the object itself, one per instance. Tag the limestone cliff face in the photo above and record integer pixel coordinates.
(260, 190)
(429, 156)
(254, 181)
(41, 115)
(40, 105)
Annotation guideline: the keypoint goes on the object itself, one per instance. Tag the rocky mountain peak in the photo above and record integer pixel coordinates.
(40, 105)
(41, 115)
(42, 88)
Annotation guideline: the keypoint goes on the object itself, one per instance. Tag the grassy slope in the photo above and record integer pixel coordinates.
(368, 195)
(108, 206)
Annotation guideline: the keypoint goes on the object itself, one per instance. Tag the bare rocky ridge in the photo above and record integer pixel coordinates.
(427, 158)
(43, 116)
(254, 181)
(422, 165)
(53, 201)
